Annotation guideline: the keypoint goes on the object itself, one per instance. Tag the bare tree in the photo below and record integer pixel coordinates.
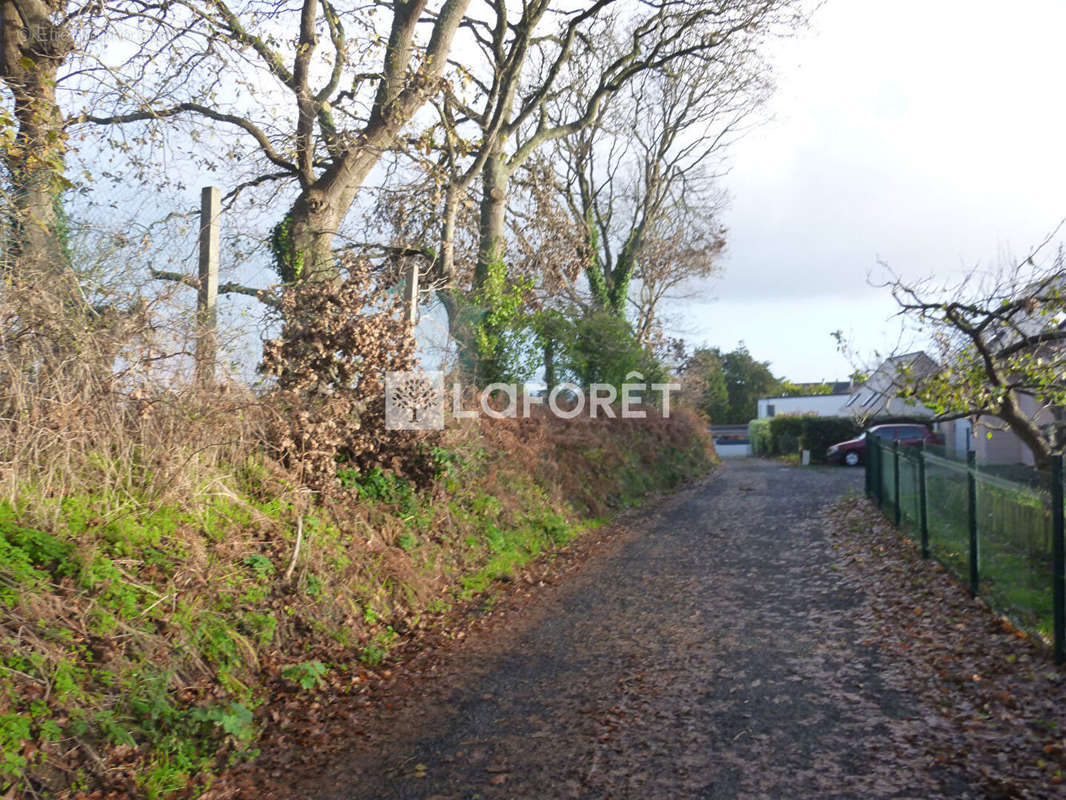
(640, 180)
(542, 88)
(36, 39)
(31, 50)
(1001, 343)
(678, 250)
(343, 108)
(616, 53)
(524, 51)
(45, 46)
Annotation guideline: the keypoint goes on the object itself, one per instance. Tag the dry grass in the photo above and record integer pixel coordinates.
(102, 404)
(152, 593)
(585, 461)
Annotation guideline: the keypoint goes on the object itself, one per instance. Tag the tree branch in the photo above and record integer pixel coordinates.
(249, 127)
(262, 295)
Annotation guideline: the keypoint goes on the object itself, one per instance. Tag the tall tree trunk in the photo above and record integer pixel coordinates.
(492, 245)
(462, 316)
(622, 274)
(303, 241)
(596, 267)
(74, 345)
(550, 379)
(446, 257)
(490, 273)
(32, 48)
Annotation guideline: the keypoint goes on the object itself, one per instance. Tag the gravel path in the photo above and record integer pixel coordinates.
(713, 652)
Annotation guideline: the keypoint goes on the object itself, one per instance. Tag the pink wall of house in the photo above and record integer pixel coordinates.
(992, 444)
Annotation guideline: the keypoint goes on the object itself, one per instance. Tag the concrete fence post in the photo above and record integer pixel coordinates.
(207, 293)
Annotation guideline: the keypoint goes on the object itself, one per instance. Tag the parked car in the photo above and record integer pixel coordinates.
(853, 451)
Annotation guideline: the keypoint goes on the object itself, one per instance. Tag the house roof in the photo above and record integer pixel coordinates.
(880, 387)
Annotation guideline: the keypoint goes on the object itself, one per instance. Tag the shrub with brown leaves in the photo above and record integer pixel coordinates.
(337, 342)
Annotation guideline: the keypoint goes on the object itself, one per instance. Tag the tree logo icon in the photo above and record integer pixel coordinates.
(414, 401)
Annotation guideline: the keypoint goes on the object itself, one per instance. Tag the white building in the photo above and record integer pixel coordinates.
(821, 405)
(878, 396)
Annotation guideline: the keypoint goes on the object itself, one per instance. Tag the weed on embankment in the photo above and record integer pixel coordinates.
(147, 623)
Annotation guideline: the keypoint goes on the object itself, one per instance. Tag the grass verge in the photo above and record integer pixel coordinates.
(144, 634)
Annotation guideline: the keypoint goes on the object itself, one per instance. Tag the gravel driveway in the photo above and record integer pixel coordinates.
(712, 652)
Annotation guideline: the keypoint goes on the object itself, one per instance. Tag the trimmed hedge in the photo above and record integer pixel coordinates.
(759, 437)
(820, 432)
(791, 433)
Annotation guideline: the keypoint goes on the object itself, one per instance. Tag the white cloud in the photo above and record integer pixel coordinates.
(928, 135)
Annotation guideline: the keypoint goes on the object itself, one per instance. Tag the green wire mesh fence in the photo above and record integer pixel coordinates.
(998, 529)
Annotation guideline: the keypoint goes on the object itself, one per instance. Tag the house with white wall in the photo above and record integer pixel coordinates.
(878, 396)
(820, 405)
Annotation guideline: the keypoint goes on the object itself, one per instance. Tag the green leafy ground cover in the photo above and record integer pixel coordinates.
(142, 641)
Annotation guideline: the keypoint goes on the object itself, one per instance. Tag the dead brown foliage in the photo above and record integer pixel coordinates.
(588, 462)
(337, 342)
(100, 401)
(994, 695)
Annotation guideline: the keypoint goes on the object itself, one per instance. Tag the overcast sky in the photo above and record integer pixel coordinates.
(927, 134)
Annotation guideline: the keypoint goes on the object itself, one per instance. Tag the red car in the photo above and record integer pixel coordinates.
(853, 451)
